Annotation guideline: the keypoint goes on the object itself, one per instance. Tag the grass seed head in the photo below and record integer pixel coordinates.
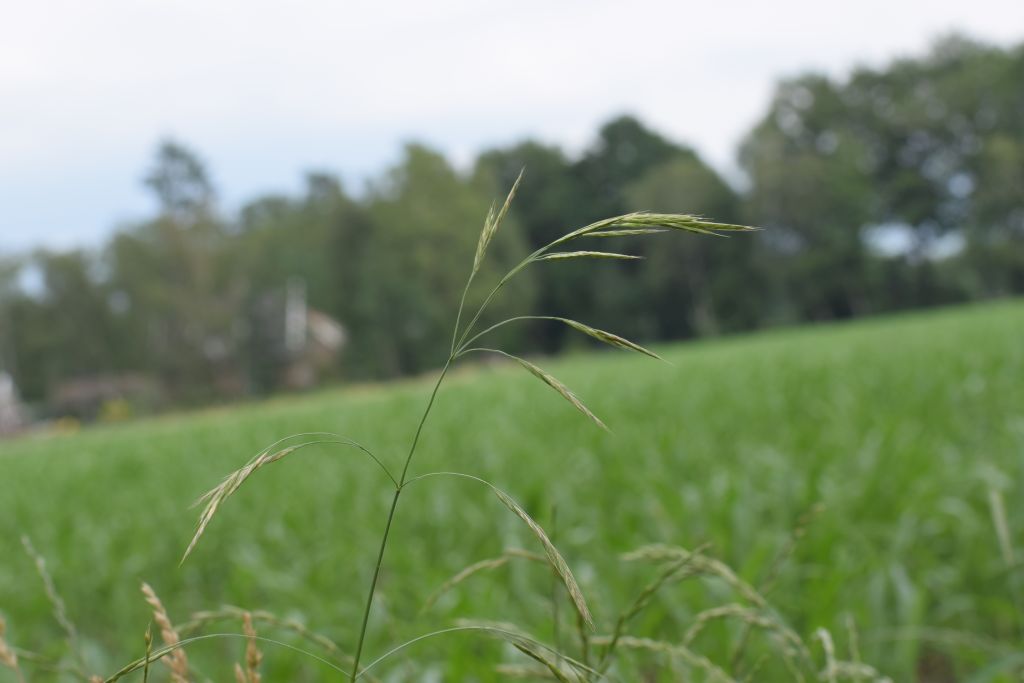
(555, 558)
(176, 660)
(563, 390)
(8, 657)
(253, 656)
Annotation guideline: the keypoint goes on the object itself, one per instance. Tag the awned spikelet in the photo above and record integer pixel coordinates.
(531, 647)
(8, 657)
(673, 221)
(564, 255)
(175, 660)
(563, 390)
(215, 496)
(608, 337)
(645, 223)
(492, 223)
(628, 232)
(253, 656)
(702, 564)
(555, 558)
(692, 659)
(477, 567)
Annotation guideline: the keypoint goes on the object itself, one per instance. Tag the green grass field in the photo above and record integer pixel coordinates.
(900, 426)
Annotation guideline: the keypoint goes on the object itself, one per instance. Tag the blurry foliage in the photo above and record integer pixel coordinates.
(930, 149)
(931, 146)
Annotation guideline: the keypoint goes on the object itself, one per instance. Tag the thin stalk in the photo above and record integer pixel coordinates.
(501, 283)
(460, 343)
(419, 429)
(458, 316)
(502, 324)
(373, 583)
(391, 517)
(554, 583)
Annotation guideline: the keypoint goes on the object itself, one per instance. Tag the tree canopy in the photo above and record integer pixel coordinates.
(896, 186)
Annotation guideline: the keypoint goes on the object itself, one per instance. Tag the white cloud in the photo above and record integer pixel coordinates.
(267, 89)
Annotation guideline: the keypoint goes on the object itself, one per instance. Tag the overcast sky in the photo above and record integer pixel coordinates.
(267, 90)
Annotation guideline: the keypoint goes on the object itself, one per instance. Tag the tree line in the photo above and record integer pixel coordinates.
(893, 188)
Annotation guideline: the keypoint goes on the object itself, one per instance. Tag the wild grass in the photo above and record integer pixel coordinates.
(176, 659)
(667, 630)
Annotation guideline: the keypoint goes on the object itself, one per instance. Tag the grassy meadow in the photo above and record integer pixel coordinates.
(901, 427)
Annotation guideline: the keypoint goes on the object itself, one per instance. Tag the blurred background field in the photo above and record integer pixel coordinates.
(901, 426)
(225, 223)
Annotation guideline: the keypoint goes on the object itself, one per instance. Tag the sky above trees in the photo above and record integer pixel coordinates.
(269, 90)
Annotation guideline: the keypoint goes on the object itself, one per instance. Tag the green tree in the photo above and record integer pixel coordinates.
(317, 239)
(926, 147)
(65, 331)
(425, 224)
(549, 199)
(694, 287)
(811, 188)
(177, 280)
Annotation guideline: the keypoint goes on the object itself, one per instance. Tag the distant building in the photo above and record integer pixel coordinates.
(12, 415)
(322, 340)
(295, 345)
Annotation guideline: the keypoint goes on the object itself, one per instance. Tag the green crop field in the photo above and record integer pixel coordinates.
(901, 427)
